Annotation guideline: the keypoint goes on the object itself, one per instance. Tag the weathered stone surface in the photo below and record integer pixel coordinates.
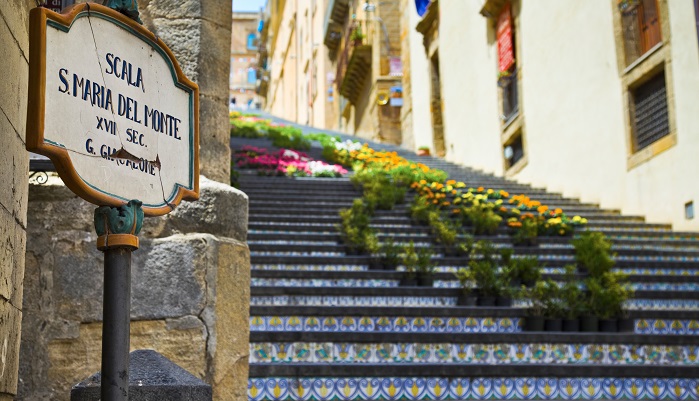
(171, 270)
(173, 9)
(12, 237)
(229, 348)
(221, 210)
(214, 59)
(182, 36)
(72, 360)
(152, 377)
(14, 165)
(182, 272)
(10, 320)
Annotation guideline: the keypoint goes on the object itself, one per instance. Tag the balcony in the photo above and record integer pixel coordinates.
(337, 13)
(355, 62)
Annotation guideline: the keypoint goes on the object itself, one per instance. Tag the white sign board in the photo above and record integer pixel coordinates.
(112, 109)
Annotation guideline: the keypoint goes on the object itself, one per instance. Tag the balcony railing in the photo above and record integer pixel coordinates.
(355, 60)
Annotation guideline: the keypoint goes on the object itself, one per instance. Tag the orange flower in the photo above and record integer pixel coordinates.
(542, 209)
(514, 224)
(558, 211)
(451, 182)
(480, 189)
(504, 194)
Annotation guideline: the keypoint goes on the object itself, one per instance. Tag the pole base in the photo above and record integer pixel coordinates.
(151, 377)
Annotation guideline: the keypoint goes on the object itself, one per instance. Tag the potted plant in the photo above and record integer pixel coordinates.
(467, 297)
(409, 260)
(572, 296)
(423, 151)
(445, 233)
(372, 247)
(425, 267)
(390, 254)
(357, 37)
(420, 210)
(537, 294)
(485, 221)
(553, 306)
(593, 253)
(484, 273)
(465, 246)
(608, 294)
(527, 233)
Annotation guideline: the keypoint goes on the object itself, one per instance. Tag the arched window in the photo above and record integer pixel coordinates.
(251, 41)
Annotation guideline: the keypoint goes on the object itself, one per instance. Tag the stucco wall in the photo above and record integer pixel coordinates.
(14, 166)
(572, 104)
(469, 90)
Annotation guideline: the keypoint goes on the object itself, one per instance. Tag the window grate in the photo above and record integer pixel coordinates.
(650, 117)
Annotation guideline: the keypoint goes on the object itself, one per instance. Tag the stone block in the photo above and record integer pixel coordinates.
(221, 210)
(171, 270)
(183, 38)
(10, 323)
(152, 377)
(11, 60)
(54, 208)
(214, 60)
(12, 236)
(174, 9)
(217, 11)
(214, 139)
(15, 13)
(229, 339)
(14, 169)
(72, 360)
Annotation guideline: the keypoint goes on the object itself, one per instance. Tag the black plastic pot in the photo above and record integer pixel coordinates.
(553, 325)
(425, 280)
(450, 251)
(589, 324)
(529, 283)
(350, 250)
(608, 325)
(486, 301)
(534, 323)
(582, 269)
(467, 300)
(516, 283)
(626, 325)
(503, 301)
(388, 265)
(408, 282)
(571, 325)
(375, 264)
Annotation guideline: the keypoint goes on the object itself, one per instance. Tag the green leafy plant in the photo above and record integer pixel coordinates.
(466, 279)
(390, 253)
(523, 270)
(410, 260)
(420, 209)
(357, 35)
(425, 264)
(486, 278)
(607, 294)
(354, 227)
(572, 295)
(527, 233)
(444, 230)
(593, 252)
(465, 245)
(484, 219)
(288, 138)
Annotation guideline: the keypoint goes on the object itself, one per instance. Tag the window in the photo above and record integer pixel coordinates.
(251, 41)
(514, 151)
(640, 22)
(507, 65)
(649, 113)
(252, 76)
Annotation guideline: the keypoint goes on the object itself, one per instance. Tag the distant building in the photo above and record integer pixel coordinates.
(596, 99)
(244, 66)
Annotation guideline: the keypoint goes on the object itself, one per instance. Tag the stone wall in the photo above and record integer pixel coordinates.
(190, 291)
(199, 34)
(14, 165)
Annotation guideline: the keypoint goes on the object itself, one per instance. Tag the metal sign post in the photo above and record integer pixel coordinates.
(120, 121)
(117, 229)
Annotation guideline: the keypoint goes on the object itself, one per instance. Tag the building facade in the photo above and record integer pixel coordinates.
(244, 66)
(594, 99)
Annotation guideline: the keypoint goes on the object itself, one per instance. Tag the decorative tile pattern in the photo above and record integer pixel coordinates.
(329, 300)
(416, 301)
(500, 388)
(382, 283)
(385, 324)
(475, 354)
(282, 266)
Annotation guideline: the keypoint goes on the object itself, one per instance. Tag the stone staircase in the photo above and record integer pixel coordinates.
(325, 327)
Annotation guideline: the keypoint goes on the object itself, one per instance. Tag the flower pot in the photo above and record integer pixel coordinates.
(582, 269)
(553, 325)
(408, 282)
(534, 323)
(528, 283)
(589, 324)
(486, 301)
(626, 325)
(450, 251)
(423, 152)
(608, 325)
(375, 264)
(571, 325)
(388, 265)
(503, 301)
(425, 280)
(515, 283)
(467, 300)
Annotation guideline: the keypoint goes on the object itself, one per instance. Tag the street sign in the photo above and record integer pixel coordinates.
(110, 106)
